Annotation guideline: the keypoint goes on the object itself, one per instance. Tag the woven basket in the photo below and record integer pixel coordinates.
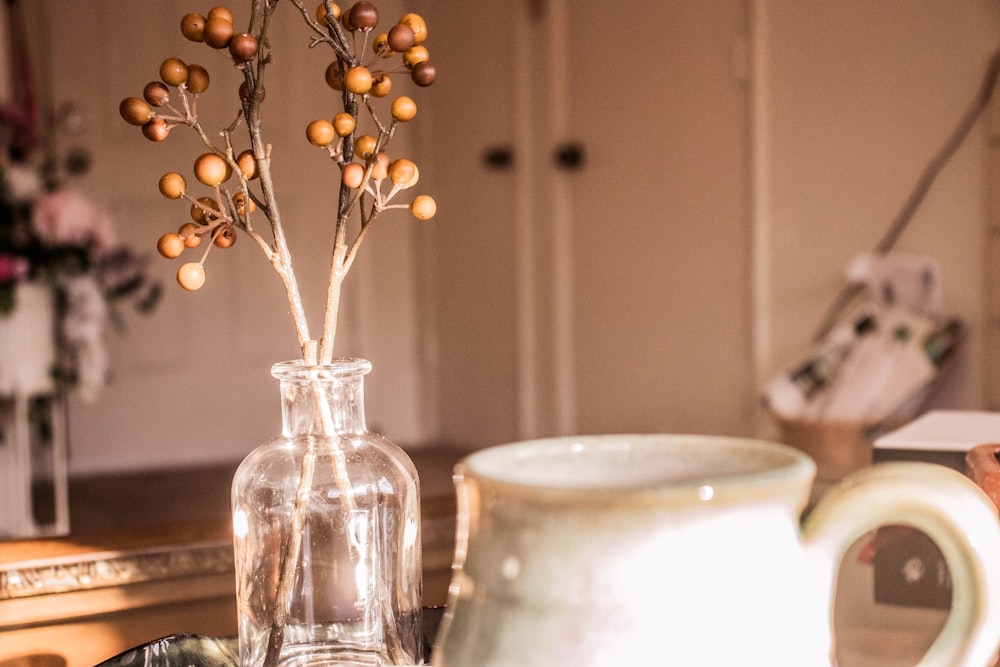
(838, 448)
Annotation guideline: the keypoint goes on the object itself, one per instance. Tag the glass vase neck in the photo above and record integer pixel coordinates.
(322, 399)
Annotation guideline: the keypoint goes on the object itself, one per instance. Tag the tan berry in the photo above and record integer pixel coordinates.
(191, 276)
(380, 166)
(423, 207)
(416, 23)
(381, 85)
(135, 111)
(197, 79)
(170, 245)
(352, 175)
(189, 232)
(344, 124)
(247, 164)
(211, 169)
(225, 237)
(416, 54)
(413, 180)
(380, 45)
(320, 132)
(204, 213)
(173, 71)
(222, 12)
(365, 145)
(321, 11)
(401, 171)
(193, 27)
(358, 80)
(172, 185)
(156, 94)
(156, 130)
(403, 108)
(244, 204)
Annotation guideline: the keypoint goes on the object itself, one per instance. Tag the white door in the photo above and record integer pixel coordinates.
(609, 292)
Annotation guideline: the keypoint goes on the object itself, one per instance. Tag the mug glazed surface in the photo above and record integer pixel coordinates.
(687, 550)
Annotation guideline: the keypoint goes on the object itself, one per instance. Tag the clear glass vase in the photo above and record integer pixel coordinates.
(326, 520)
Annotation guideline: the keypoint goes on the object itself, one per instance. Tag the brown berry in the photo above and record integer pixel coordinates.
(333, 76)
(352, 175)
(189, 232)
(416, 23)
(344, 124)
(211, 169)
(358, 80)
(244, 92)
(243, 47)
(156, 93)
(320, 132)
(197, 81)
(173, 71)
(423, 207)
(172, 185)
(193, 27)
(135, 111)
(364, 16)
(225, 237)
(247, 164)
(365, 145)
(156, 130)
(170, 245)
(381, 85)
(423, 74)
(345, 20)
(191, 276)
(218, 31)
(403, 108)
(401, 38)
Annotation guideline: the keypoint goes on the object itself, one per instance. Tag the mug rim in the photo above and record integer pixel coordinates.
(791, 468)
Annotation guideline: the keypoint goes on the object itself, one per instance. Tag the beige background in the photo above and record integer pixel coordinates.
(738, 153)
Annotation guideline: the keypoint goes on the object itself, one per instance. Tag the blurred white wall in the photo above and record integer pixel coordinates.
(846, 102)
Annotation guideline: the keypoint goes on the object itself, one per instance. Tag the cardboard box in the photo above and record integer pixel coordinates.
(939, 436)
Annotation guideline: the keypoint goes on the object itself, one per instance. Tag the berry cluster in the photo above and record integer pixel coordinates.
(239, 181)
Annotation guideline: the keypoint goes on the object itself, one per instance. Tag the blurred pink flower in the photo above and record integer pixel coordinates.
(66, 217)
(13, 268)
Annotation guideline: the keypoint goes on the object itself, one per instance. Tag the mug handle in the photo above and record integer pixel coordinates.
(955, 514)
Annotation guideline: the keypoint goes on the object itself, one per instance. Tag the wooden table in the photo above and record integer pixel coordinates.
(137, 567)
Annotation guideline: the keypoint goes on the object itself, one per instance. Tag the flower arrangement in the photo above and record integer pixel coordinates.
(239, 180)
(52, 234)
(235, 169)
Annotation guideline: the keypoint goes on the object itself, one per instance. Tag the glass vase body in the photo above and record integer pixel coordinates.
(326, 521)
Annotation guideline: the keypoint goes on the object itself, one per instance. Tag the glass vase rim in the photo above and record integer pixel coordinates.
(340, 368)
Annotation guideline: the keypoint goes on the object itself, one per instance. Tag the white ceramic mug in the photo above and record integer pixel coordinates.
(688, 550)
